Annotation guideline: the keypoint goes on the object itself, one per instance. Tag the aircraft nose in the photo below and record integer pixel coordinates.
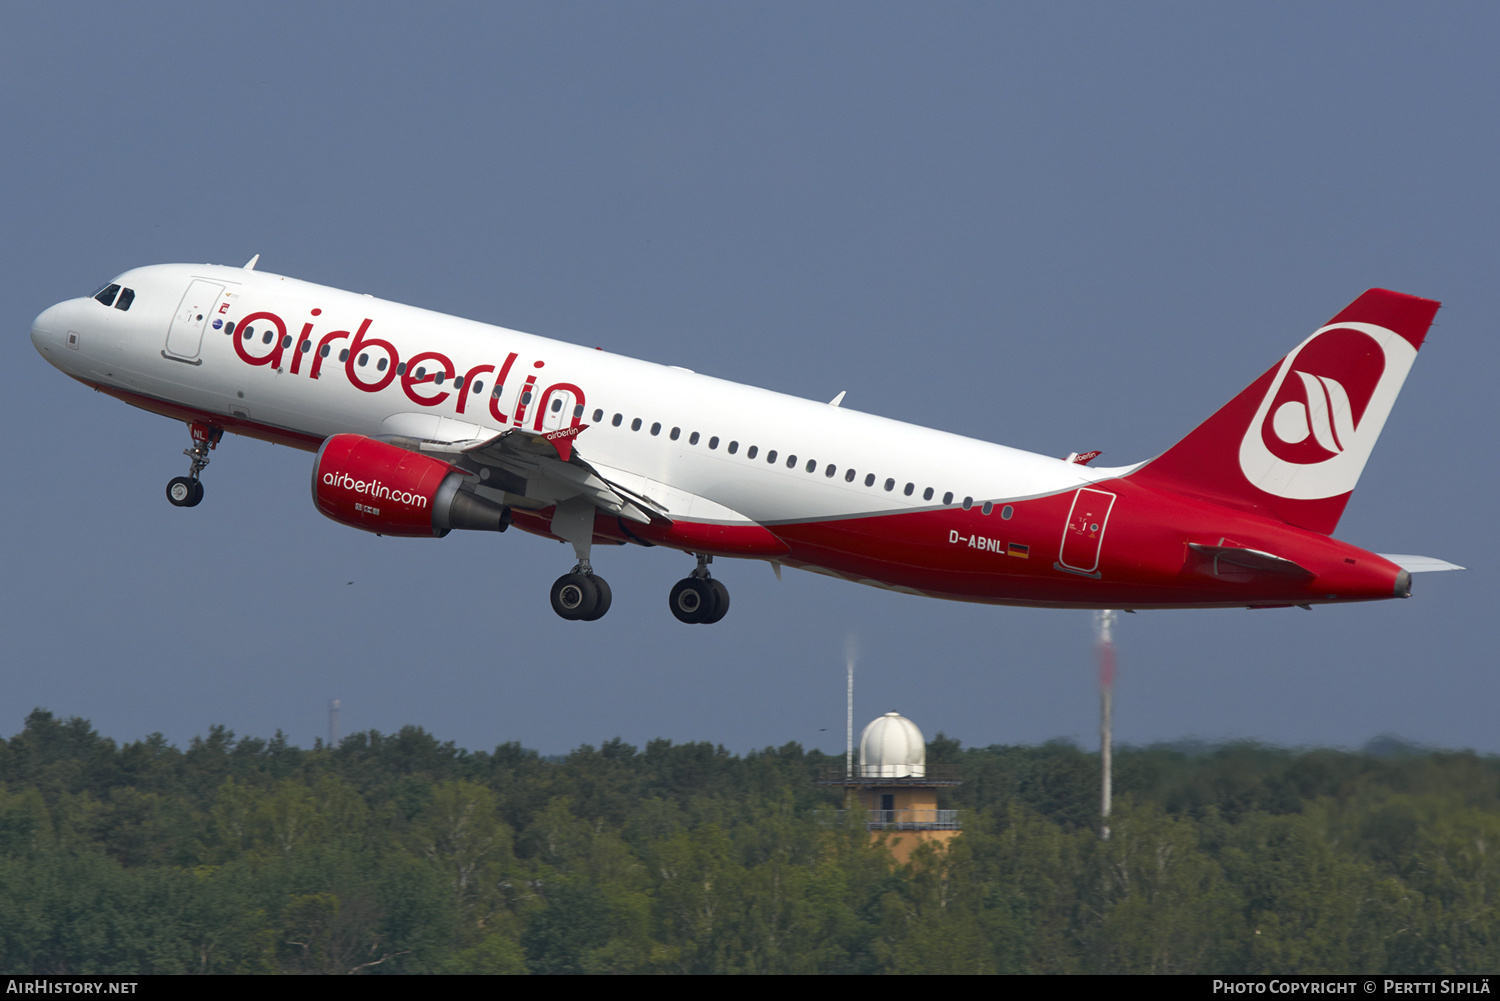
(44, 330)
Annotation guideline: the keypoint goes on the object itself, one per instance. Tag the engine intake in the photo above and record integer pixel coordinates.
(378, 487)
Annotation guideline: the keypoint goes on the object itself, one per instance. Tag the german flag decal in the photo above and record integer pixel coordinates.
(1016, 549)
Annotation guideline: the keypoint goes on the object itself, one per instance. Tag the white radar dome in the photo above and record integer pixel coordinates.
(892, 748)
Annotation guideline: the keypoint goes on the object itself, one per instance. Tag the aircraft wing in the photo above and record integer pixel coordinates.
(542, 466)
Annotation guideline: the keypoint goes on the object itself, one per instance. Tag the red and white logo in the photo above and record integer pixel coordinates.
(1325, 408)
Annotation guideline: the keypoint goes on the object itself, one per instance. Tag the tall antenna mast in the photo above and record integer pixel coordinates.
(850, 649)
(333, 723)
(1106, 710)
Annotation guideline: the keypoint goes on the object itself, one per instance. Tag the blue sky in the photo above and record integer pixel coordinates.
(1060, 227)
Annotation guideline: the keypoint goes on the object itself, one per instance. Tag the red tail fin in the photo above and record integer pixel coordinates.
(1293, 444)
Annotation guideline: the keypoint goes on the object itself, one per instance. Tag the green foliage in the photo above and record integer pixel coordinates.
(403, 854)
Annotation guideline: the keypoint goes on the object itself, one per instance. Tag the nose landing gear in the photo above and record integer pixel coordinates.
(187, 491)
(698, 598)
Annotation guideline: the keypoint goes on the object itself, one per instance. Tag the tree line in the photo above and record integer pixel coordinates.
(398, 853)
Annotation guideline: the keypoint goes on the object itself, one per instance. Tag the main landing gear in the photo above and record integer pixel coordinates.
(581, 596)
(187, 491)
(698, 598)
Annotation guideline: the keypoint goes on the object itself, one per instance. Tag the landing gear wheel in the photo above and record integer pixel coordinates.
(721, 601)
(574, 596)
(693, 600)
(184, 492)
(602, 605)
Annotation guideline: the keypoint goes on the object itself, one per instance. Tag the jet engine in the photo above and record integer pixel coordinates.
(387, 490)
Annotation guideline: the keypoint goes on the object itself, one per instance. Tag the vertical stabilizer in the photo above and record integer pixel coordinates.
(1292, 445)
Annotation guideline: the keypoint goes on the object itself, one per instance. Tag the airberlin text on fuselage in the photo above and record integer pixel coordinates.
(412, 376)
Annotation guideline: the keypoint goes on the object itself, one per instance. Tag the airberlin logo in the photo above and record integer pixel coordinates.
(1318, 422)
(374, 489)
(427, 378)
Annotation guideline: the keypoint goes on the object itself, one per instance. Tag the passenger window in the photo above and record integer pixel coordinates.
(770, 456)
(890, 485)
(437, 380)
(909, 488)
(656, 429)
(598, 416)
(229, 327)
(830, 471)
(458, 380)
(734, 446)
(676, 433)
(363, 358)
(617, 420)
(849, 476)
(306, 346)
(869, 479)
(556, 404)
(578, 410)
(381, 364)
(268, 337)
(344, 355)
(749, 452)
(927, 494)
(693, 438)
(401, 368)
(478, 384)
(1007, 511)
(968, 503)
(127, 296)
(635, 425)
(286, 342)
(948, 497)
(988, 507)
(791, 462)
(323, 351)
(107, 294)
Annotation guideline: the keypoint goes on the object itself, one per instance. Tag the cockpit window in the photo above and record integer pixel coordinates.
(127, 296)
(107, 294)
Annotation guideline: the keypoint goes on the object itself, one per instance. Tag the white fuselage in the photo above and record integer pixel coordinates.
(129, 351)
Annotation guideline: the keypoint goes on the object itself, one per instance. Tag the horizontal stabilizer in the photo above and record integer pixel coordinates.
(1419, 564)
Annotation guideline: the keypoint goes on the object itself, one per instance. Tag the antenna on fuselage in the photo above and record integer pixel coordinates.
(250, 264)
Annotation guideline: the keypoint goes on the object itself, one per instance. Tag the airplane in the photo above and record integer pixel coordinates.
(423, 423)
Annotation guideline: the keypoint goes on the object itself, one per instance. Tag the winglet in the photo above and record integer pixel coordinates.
(838, 399)
(250, 264)
(562, 440)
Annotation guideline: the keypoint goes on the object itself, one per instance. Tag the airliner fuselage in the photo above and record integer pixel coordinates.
(595, 448)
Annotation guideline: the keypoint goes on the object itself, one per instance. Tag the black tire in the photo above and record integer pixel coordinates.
(574, 596)
(691, 600)
(181, 492)
(602, 604)
(197, 497)
(721, 601)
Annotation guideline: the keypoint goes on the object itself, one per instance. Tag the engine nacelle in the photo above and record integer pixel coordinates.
(368, 484)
